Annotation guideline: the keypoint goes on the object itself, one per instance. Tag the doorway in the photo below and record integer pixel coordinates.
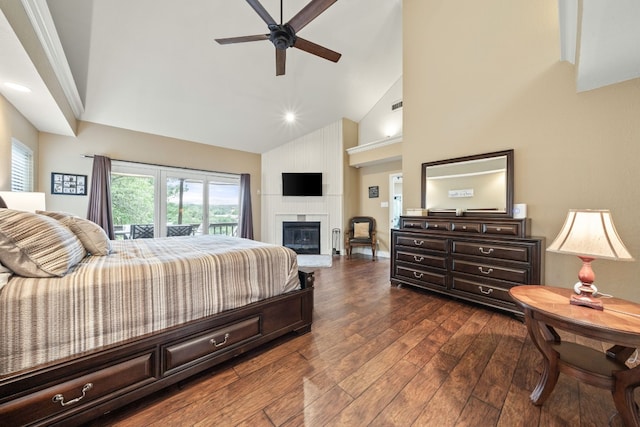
(395, 198)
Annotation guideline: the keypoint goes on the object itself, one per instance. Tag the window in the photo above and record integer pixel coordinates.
(21, 166)
(171, 201)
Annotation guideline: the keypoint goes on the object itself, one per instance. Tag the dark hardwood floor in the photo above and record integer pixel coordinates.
(380, 356)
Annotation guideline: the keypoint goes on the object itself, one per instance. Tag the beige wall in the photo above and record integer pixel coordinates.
(381, 153)
(65, 154)
(378, 175)
(486, 76)
(351, 178)
(14, 125)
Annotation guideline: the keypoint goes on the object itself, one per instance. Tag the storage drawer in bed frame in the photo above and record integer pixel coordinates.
(96, 386)
(71, 392)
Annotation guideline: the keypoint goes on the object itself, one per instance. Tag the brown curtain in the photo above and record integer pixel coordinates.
(100, 195)
(245, 223)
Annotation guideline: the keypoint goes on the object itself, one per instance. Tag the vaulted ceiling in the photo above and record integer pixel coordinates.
(153, 65)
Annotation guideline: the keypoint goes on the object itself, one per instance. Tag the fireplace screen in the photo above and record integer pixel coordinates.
(303, 237)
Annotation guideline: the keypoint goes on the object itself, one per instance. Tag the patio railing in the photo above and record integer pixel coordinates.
(227, 228)
(224, 228)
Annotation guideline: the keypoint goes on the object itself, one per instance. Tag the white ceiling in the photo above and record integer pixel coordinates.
(153, 66)
(604, 44)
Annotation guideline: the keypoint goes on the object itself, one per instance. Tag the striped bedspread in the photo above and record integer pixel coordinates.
(144, 286)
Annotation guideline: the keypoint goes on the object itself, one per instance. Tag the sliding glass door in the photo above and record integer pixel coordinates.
(224, 207)
(184, 205)
(171, 201)
(133, 202)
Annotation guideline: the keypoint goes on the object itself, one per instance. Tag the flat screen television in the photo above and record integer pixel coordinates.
(302, 184)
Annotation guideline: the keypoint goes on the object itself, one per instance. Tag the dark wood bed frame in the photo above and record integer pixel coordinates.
(75, 390)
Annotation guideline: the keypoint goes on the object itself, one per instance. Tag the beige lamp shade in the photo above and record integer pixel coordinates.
(590, 233)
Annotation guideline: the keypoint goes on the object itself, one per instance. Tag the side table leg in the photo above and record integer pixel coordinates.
(550, 371)
(623, 395)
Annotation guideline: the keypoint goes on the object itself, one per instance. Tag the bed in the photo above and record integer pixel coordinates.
(89, 325)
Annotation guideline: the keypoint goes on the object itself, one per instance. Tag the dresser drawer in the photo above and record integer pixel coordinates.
(415, 241)
(467, 227)
(484, 249)
(438, 225)
(210, 343)
(421, 277)
(516, 275)
(484, 289)
(503, 229)
(413, 223)
(422, 259)
(71, 394)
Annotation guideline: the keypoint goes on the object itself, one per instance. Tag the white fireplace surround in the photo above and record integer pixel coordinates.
(322, 218)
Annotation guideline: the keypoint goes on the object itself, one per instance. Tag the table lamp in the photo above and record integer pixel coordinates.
(589, 234)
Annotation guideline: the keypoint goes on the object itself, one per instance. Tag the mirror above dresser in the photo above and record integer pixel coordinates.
(477, 185)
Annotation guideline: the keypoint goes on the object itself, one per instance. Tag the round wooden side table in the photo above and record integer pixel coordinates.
(546, 308)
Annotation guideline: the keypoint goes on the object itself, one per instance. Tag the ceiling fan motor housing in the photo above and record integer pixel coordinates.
(282, 36)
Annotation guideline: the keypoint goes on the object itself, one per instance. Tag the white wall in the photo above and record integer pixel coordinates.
(319, 151)
(381, 122)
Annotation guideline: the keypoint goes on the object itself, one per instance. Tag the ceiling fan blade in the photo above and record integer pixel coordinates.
(309, 13)
(243, 39)
(316, 49)
(255, 4)
(281, 59)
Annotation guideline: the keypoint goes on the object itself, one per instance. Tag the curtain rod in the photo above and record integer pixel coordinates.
(91, 156)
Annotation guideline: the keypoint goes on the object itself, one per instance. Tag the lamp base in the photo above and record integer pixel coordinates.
(586, 300)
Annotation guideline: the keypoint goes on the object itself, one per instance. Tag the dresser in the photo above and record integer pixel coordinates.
(474, 259)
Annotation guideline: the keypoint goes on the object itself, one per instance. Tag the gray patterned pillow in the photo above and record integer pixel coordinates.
(92, 236)
(33, 245)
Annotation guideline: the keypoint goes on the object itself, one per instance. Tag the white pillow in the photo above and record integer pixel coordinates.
(33, 245)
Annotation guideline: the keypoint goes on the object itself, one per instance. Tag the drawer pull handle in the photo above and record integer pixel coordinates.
(417, 258)
(418, 242)
(464, 227)
(417, 275)
(489, 271)
(487, 292)
(216, 344)
(487, 252)
(498, 229)
(60, 397)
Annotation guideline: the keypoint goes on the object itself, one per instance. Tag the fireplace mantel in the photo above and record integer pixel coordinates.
(322, 218)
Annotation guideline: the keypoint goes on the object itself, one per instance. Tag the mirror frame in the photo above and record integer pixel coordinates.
(509, 184)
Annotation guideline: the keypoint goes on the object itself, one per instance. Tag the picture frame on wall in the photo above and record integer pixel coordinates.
(373, 192)
(68, 184)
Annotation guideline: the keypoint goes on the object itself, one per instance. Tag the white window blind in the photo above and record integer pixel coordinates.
(21, 167)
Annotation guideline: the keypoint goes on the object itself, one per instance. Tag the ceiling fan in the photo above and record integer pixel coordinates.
(284, 36)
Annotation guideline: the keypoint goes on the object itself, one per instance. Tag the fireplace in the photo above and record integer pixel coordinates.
(301, 236)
